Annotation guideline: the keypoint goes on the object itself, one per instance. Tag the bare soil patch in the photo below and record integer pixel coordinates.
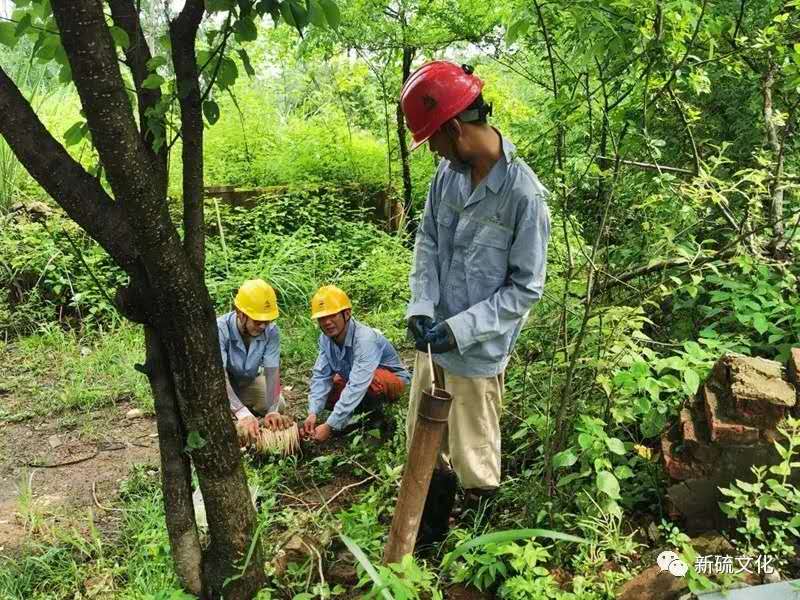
(66, 471)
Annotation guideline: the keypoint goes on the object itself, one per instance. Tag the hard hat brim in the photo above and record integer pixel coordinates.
(327, 313)
(417, 144)
(258, 316)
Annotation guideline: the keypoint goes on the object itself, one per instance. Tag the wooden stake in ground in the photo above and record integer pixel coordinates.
(425, 444)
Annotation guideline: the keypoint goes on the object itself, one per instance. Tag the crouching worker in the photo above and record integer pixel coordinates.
(357, 369)
(249, 341)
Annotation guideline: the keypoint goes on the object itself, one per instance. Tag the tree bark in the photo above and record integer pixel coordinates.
(82, 196)
(775, 208)
(137, 55)
(176, 470)
(183, 33)
(408, 207)
(178, 304)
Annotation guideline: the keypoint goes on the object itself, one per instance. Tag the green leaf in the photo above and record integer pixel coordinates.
(503, 537)
(615, 445)
(608, 484)
(771, 503)
(760, 323)
(194, 441)
(65, 74)
(315, 13)
(227, 73)
(211, 111)
(23, 26)
(286, 13)
(563, 481)
(47, 51)
(153, 81)
(692, 380)
(61, 56)
(219, 5)
(8, 36)
(566, 458)
(516, 29)
(299, 13)
(331, 10)
(623, 472)
(75, 134)
(245, 30)
(362, 559)
(120, 37)
(156, 62)
(245, 58)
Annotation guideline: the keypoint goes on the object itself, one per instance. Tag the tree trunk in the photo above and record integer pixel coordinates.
(408, 208)
(168, 292)
(176, 470)
(775, 207)
(183, 33)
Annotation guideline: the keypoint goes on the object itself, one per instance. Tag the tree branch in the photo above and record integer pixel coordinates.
(183, 33)
(92, 56)
(688, 128)
(126, 17)
(67, 182)
(649, 166)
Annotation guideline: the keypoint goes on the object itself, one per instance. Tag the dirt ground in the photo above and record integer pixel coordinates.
(68, 471)
(53, 471)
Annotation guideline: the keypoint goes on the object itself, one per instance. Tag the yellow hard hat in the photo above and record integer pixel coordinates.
(329, 300)
(256, 299)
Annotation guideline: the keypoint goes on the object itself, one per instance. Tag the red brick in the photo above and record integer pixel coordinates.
(793, 369)
(694, 432)
(754, 388)
(721, 428)
(675, 466)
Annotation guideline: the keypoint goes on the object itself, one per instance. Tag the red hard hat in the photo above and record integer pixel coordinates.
(434, 94)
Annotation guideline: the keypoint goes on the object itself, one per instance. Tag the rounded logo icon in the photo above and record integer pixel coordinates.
(669, 561)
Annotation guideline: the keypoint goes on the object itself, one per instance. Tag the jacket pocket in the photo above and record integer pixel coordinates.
(489, 254)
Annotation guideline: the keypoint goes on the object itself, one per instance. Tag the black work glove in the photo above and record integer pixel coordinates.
(419, 326)
(440, 338)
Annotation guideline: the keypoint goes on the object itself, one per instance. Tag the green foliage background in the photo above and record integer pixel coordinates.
(645, 120)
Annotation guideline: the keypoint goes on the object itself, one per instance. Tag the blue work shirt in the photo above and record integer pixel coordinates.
(244, 363)
(364, 350)
(480, 258)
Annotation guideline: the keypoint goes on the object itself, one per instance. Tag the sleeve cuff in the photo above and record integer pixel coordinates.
(243, 413)
(460, 332)
(337, 423)
(315, 406)
(423, 309)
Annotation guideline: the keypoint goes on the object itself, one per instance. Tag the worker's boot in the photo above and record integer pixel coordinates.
(435, 520)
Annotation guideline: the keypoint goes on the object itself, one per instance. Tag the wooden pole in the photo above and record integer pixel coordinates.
(425, 444)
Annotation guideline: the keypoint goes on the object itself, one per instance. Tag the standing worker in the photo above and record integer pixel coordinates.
(357, 369)
(479, 267)
(249, 341)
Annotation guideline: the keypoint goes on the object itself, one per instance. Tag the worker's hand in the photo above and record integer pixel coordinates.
(247, 428)
(276, 421)
(309, 425)
(419, 326)
(322, 432)
(441, 339)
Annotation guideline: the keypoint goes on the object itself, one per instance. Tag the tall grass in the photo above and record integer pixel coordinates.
(57, 370)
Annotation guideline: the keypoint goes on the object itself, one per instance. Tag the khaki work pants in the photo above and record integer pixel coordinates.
(254, 396)
(471, 444)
